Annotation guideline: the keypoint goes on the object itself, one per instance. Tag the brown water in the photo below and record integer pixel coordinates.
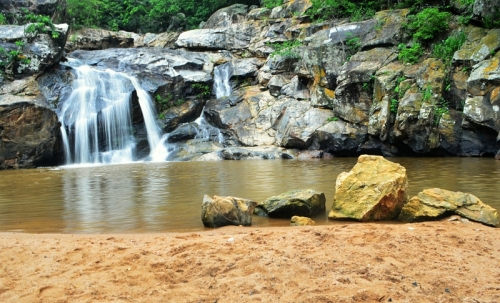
(157, 197)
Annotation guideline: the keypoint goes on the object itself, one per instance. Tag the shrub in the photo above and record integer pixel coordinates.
(410, 55)
(270, 4)
(428, 22)
(287, 49)
(446, 48)
(3, 19)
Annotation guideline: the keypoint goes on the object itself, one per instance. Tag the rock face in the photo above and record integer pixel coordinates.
(221, 211)
(301, 221)
(375, 189)
(29, 135)
(305, 202)
(434, 202)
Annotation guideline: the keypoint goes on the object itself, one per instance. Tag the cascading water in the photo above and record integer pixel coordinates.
(222, 88)
(96, 123)
(222, 75)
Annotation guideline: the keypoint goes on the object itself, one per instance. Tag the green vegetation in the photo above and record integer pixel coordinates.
(441, 108)
(3, 19)
(353, 45)
(39, 24)
(400, 93)
(145, 15)
(427, 93)
(332, 119)
(446, 48)
(202, 90)
(354, 10)
(287, 49)
(410, 55)
(394, 105)
(270, 4)
(424, 25)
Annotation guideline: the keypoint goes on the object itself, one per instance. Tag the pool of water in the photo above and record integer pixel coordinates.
(158, 197)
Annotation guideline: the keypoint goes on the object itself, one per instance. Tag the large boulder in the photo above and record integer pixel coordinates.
(220, 211)
(264, 152)
(29, 131)
(306, 202)
(435, 202)
(375, 189)
(227, 16)
(42, 7)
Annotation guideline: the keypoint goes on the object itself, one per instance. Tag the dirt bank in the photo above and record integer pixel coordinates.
(424, 262)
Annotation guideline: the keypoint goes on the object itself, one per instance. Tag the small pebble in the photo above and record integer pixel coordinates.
(414, 284)
(230, 240)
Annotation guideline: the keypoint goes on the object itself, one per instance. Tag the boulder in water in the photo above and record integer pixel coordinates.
(220, 211)
(305, 202)
(375, 189)
(434, 202)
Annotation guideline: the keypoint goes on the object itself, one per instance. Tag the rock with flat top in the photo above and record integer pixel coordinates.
(306, 202)
(434, 202)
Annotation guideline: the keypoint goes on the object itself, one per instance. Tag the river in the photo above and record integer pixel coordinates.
(161, 197)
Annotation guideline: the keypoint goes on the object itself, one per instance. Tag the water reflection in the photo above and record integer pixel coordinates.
(155, 197)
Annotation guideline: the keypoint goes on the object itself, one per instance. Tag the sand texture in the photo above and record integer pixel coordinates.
(353, 262)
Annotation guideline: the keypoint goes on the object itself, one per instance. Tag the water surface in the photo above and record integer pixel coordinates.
(158, 197)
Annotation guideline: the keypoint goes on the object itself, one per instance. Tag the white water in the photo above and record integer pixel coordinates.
(222, 75)
(96, 123)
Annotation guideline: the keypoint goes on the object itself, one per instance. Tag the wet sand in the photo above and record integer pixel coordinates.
(422, 262)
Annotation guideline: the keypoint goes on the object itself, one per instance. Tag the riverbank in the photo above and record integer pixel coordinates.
(445, 261)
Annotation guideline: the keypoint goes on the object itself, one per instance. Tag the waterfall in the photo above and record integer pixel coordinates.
(207, 131)
(96, 124)
(222, 75)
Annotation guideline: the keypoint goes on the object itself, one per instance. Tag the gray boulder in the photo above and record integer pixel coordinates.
(219, 211)
(305, 202)
(227, 16)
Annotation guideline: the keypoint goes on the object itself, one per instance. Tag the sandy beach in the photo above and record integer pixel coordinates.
(444, 261)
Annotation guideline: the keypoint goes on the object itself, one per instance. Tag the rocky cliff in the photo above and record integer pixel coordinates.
(336, 87)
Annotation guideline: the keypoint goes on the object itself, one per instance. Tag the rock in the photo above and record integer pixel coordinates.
(291, 7)
(276, 83)
(227, 16)
(306, 202)
(220, 211)
(434, 202)
(478, 46)
(310, 154)
(497, 156)
(184, 113)
(235, 37)
(296, 89)
(29, 134)
(301, 221)
(353, 98)
(259, 13)
(483, 10)
(42, 51)
(387, 29)
(341, 138)
(98, 39)
(184, 132)
(195, 150)
(375, 189)
(264, 152)
(162, 40)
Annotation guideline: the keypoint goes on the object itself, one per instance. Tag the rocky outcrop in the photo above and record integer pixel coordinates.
(305, 202)
(97, 39)
(375, 189)
(301, 221)
(36, 55)
(265, 152)
(222, 211)
(435, 202)
(227, 16)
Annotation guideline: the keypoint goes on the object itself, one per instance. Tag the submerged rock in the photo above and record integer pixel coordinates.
(375, 189)
(434, 202)
(306, 202)
(220, 211)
